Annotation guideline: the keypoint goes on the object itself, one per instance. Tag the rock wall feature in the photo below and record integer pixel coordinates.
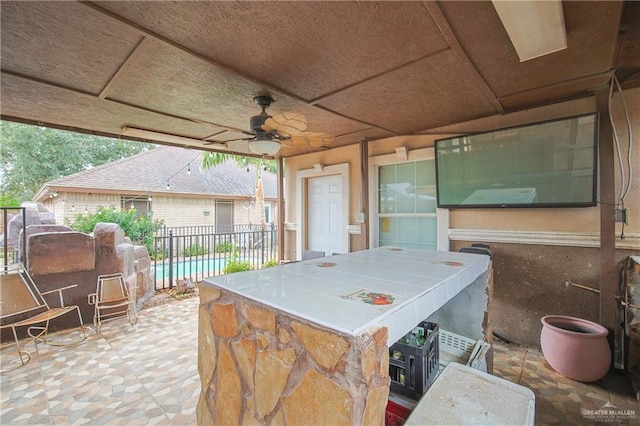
(326, 348)
(143, 274)
(35, 214)
(39, 229)
(115, 253)
(318, 397)
(259, 365)
(57, 259)
(51, 253)
(110, 257)
(228, 384)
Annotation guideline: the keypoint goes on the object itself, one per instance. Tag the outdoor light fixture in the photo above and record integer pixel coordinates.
(73, 207)
(150, 198)
(189, 169)
(168, 185)
(536, 28)
(264, 145)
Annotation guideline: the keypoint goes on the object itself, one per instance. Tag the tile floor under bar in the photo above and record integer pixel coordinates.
(147, 374)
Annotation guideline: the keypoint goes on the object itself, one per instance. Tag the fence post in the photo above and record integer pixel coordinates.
(262, 236)
(170, 258)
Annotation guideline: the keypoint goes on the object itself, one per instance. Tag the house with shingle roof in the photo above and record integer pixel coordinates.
(167, 183)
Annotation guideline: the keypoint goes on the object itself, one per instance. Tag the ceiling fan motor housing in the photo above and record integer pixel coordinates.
(257, 121)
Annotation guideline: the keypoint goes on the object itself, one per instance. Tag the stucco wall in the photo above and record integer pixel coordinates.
(348, 154)
(550, 244)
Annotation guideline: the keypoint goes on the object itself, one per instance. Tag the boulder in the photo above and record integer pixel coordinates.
(110, 259)
(39, 229)
(50, 253)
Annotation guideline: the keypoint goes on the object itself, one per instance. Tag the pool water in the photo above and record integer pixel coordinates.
(200, 267)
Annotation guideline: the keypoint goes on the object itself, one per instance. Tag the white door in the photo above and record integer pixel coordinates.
(325, 226)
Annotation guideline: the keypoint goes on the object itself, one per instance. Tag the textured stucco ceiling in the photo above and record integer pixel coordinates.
(354, 69)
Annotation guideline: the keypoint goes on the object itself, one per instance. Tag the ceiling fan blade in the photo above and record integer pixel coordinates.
(314, 139)
(288, 123)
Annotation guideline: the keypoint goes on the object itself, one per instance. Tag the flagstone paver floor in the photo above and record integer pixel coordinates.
(147, 374)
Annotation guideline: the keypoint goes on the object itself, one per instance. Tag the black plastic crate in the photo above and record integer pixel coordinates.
(413, 369)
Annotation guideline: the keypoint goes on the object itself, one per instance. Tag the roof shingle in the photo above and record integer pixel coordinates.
(149, 172)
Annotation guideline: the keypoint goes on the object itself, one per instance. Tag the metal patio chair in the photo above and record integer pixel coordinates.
(19, 296)
(112, 300)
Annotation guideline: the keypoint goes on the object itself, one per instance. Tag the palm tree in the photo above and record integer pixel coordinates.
(212, 159)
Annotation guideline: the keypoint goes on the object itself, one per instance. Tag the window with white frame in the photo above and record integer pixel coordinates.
(141, 203)
(403, 202)
(267, 213)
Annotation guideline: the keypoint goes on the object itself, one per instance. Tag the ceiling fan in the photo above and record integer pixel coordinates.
(268, 134)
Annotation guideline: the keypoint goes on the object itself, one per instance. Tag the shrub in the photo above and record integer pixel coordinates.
(159, 253)
(139, 228)
(270, 263)
(194, 250)
(236, 265)
(226, 247)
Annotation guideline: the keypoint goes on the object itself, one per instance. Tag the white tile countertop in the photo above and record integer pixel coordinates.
(339, 292)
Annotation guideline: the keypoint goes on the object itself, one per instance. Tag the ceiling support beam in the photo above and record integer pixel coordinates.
(157, 37)
(92, 95)
(364, 191)
(448, 34)
(608, 282)
(281, 213)
(373, 77)
(605, 76)
(124, 67)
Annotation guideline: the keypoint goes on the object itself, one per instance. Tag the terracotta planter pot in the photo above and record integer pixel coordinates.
(576, 348)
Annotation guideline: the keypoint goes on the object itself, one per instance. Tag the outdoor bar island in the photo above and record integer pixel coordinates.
(308, 342)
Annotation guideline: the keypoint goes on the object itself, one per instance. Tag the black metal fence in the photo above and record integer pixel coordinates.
(199, 252)
(209, 229)
(13, 237)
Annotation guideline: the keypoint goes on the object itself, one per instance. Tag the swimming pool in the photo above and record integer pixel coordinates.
(200, 267)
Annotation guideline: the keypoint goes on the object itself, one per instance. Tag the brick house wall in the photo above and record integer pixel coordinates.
(175, 211)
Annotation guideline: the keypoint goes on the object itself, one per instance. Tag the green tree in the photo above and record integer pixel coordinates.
(32, 155)
(212, 159)
(9, 201)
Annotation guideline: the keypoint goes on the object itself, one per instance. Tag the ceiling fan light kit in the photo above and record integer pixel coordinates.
(264, 145)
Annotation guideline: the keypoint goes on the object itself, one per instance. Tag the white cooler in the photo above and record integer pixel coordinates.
(462, 395)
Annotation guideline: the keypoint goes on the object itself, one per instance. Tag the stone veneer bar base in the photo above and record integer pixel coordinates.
(261, 366)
